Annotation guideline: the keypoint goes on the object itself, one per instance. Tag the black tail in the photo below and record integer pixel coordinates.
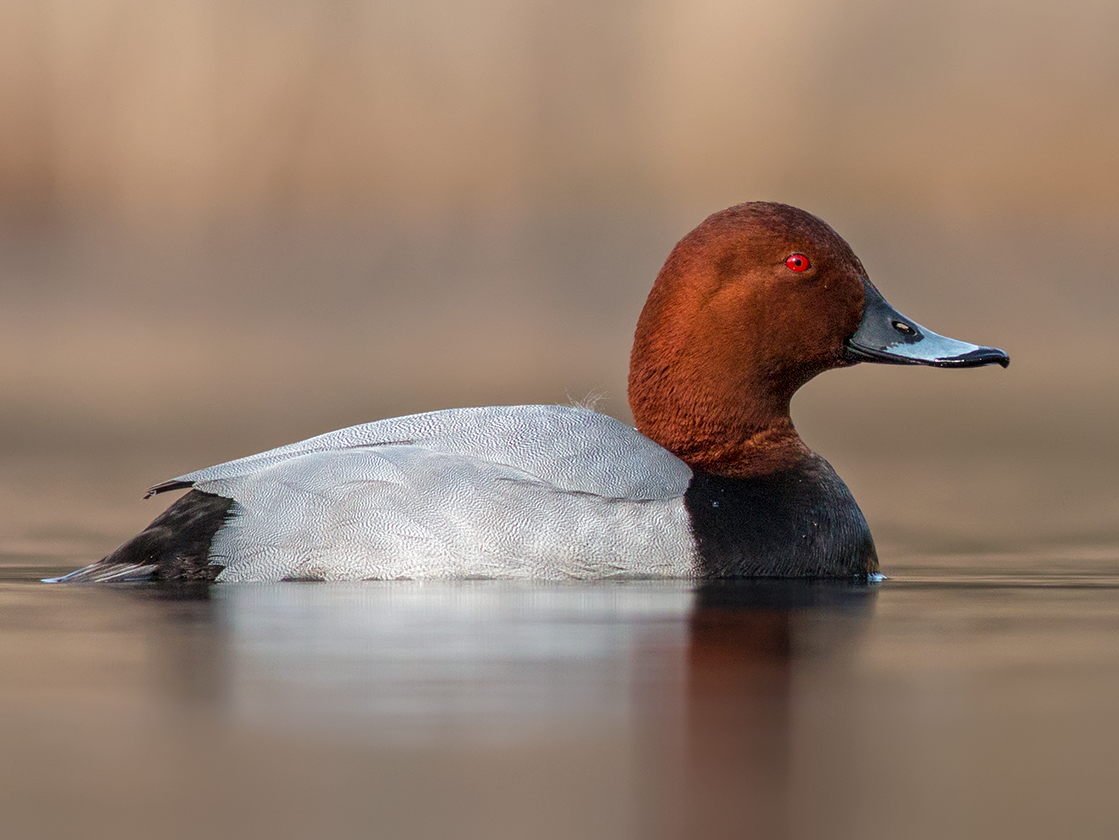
(175, 547)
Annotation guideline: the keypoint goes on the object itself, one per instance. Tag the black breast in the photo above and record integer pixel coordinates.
(801, 522)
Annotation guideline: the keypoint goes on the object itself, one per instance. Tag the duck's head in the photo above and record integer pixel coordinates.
(749, 306)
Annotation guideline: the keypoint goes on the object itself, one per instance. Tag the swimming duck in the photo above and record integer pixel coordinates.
(713, 482)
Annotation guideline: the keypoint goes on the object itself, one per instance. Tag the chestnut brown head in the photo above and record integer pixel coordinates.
(748, 307)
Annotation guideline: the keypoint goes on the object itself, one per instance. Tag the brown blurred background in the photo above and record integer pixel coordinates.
(227, 226)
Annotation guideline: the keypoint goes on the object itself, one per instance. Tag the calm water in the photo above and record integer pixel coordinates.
(954, 702)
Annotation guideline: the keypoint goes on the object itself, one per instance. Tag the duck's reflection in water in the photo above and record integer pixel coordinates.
(747, 641)
(189, 663)
(647, 709)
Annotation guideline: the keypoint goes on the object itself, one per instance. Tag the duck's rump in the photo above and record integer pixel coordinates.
(175, 547)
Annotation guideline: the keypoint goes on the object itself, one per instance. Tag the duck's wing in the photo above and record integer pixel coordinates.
(523, 491)
(569, 447)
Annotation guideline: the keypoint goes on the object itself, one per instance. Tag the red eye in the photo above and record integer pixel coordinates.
(797, 262)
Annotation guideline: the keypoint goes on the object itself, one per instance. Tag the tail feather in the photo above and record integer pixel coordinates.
(103, 572)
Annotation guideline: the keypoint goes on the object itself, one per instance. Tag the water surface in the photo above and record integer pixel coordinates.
(944, 702)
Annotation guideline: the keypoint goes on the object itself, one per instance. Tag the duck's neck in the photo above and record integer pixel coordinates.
(730, 446)
(715, 414)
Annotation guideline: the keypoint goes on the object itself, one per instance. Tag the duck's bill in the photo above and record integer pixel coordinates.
(886, 336)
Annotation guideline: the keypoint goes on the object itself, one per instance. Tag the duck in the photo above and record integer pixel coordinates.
(712, 480)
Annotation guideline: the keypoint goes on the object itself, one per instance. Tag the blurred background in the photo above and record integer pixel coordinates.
(225, 226)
